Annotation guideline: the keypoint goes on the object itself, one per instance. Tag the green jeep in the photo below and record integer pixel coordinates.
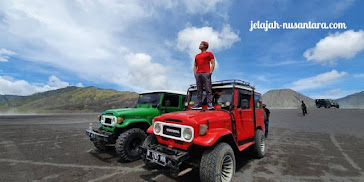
(125, 129)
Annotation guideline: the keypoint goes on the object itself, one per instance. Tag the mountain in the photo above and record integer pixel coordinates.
(286, 98)
(352, 101)
(7, 98)
(71, 99)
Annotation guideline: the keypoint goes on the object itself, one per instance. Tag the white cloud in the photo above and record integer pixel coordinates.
(333, 94)
(79, 85)
(56, 82)
(144, 72)
(202, 7)
(190, 38)
(318, 81)
(361, 75)
(5, 54)
(335, 46)
(10, 86)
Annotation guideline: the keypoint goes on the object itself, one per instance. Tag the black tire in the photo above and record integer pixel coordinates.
(128, 143)
(214, 160)
(100, 146)
(258, 149)
(151, 139)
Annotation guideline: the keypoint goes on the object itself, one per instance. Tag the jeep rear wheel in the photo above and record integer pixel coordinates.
(128, 143)
(150, 140)
(258, 148)
(218, 164)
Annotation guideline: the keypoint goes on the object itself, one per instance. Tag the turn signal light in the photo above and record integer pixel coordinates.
(203, 129)
(120, 120)
(98, 117)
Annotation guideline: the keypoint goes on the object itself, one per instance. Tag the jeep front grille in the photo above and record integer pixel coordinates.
(172, 130)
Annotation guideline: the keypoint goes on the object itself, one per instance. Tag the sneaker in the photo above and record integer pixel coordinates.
(196, 106)
(210, 107)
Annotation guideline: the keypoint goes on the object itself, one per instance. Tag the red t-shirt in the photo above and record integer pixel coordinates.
(203, 62)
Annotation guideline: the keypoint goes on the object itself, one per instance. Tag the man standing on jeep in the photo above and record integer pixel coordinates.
(203, 70)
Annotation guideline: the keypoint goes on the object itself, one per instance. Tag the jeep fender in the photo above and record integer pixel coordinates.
(211, 137)
(150, 129)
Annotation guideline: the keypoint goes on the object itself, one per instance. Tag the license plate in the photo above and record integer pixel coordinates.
(91, 135)
(156, 157)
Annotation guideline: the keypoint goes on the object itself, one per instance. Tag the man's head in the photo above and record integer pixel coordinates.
(204, 45)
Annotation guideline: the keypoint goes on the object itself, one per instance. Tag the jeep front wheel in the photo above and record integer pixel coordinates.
(259, 146)
(128, 143)
(101, 146)
(218, 164)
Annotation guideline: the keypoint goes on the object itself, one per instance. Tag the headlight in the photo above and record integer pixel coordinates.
(157, 128)
(187, 134)
(102, 118)
(113, 120)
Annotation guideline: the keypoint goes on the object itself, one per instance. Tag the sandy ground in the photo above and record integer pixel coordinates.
(326, 145)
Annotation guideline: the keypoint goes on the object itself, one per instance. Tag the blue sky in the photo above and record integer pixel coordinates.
(147, 45)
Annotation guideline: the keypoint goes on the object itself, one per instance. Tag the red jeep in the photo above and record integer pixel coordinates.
(208, 139)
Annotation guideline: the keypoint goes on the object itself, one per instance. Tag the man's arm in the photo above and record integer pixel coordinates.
(212, 65)
(195, 67)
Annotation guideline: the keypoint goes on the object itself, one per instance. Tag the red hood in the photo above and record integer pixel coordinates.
(195, 116)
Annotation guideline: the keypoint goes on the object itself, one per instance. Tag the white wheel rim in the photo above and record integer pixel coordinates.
(227, 169)
(262, 144)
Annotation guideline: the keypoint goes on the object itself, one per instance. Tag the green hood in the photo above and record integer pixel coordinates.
(132, 112)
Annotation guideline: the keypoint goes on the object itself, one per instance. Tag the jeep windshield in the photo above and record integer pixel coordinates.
(151, 98)
(219, 96)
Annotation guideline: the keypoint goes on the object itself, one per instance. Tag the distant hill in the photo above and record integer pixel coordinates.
(7, 98)
(352, 101)
(286, 98)
(70, 99)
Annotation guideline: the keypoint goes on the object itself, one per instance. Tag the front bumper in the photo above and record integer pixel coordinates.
(95, 134)
(167, 157)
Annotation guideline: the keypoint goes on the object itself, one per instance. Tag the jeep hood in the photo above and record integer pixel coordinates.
(195, 117)
(132, 112)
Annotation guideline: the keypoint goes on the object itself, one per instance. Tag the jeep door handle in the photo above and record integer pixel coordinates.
(251, 120)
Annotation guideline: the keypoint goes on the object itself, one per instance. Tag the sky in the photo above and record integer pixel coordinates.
(135, 45)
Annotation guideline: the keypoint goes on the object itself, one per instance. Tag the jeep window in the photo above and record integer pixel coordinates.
(258, 101)
(170, 100)
(219, 96)
(152, 98)
(244, 101)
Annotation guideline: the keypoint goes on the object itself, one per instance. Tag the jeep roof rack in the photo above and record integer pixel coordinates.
(233, 82)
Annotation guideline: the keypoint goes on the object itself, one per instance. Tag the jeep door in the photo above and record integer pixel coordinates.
(171, 103)
(244, 116)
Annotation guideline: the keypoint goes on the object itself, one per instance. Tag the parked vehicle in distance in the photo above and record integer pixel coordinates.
(327, 103)
(125, 128)
(209, 139)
